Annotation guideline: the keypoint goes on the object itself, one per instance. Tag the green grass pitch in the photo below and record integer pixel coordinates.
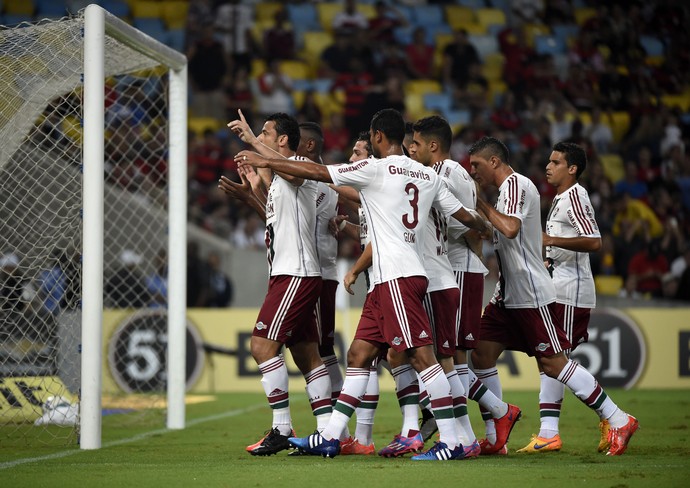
(210, 451)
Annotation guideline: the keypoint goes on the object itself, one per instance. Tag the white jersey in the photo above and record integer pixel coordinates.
(290, 228)
(524, 281)
(572, 215)
(436, 262)
(462, 186)
(326, 243)
(396, 194)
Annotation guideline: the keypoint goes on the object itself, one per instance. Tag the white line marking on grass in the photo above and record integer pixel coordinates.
(138, 437)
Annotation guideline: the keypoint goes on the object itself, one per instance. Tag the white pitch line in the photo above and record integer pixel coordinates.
(138, 437)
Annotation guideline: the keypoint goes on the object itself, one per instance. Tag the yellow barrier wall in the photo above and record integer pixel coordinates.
(640, 348)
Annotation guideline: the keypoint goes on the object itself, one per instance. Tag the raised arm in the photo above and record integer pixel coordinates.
(300, 169)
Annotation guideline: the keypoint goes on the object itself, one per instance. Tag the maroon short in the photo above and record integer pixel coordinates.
(287, 314)
(534, 331)
(574, 323)
(393, 314)
(325, 313)
(442, 309)
(470, 312)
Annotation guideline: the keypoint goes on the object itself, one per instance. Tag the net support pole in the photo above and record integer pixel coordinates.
(92, 245)
(177, 248)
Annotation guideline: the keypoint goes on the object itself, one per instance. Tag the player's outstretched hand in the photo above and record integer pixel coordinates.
(250, 158)
(241, 190)
(241, 128)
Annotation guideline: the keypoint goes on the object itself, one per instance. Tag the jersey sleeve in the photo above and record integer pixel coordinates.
(445, 202)
(515, 198)
(357, 175)
(581, 215)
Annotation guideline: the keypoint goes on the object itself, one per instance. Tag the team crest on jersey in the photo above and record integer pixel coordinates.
(542, 347)
(396, 341)
(260, 326)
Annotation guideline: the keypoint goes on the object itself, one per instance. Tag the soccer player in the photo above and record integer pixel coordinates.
(522, 314)
(287, 316)
(571, 234)
(397, 194)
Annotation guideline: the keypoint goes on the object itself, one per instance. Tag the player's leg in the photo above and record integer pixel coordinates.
(363, 442)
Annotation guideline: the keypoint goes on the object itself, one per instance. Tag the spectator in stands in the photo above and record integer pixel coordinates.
(220, 288)
(238, 96)
(250, 233)
(356, 83)
(275, 91)
(420, 55)
(614, 86)
(599, 132)
(518, 56)
(388, 94)
(206, 159)
(199, 16)
(645, 272)
(335, 59)
(386, 19)
(206, 74)
(458, 56)
(157, 281)
(562, 123)
(350, 20)
(197, 271)
(504, 116)
(309, 111)
(234, 20)
(630, 183)
(279, 39)
(527, 11)
(126, 287)
(336, 139)
(580, 88)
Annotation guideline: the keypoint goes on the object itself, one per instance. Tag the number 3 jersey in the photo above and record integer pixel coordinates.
(396, 194)
(572, 215)
(291, 228)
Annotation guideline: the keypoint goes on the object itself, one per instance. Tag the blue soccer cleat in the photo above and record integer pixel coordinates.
(316, 444)
(440, 452)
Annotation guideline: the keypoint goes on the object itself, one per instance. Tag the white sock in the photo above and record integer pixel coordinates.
(274, 379)
(550, 401)
(436, 384)
(465, 436)
(354, 386)
(407, 390)
(367, 408)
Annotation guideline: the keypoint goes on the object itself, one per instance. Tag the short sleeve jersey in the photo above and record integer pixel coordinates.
(462, 186)
(363, 241)
(290, 228)
(524, 281)
(572, 215)
(396, 194)
(326, 243)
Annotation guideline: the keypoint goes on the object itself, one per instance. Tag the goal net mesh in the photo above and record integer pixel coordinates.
(41, 93)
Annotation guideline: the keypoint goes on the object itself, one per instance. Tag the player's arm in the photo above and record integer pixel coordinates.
(363, 262)
(471, 219)
(347, 193)
(241, 128)
(507, 225)
(578, 244)
(306, 170)
(243, 192)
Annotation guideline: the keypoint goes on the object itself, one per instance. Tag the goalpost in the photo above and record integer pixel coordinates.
(93, 178)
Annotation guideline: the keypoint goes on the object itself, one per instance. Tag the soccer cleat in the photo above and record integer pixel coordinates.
(427, 425)
(541, 444)
(487, 448)
(272, 443)
(402, 445)
(504, 426)
(440, 452)
(472, 451)
(619, 438)
(604, 443)
(258, 443)
(316, 444)
(351, 446)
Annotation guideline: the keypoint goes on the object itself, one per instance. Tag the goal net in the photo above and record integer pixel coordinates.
(92, 167)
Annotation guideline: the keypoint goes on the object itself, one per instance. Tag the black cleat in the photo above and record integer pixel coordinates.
(273, 443)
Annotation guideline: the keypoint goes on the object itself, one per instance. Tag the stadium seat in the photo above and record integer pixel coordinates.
(153, 27)
(547, 44)
(322, 85)
(50, 9)
(16, 19)
(147, 9)
(490, 16)
(681, 101)
(119, 8)
(19, 7)
(532, 30)
(608, 285)
(458, 118)
(175, 14)
(423, 87)
(620, 123)
(583, 14)
(267, 11)
(176, 39)
(303, 16)
(566, 32)
(485, 45)
(326, 12)
(654, 49)
(427, 16)
(297, 70)
(258, 66)
(473, 3)
(493, 67)
(458, 16)
(439, 102)
(315, 42)
(199, 124)
(613, 166)
(414, 106)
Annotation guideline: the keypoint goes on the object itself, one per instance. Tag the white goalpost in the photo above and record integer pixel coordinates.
(93, 173)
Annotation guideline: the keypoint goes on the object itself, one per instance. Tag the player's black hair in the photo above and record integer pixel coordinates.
(315, 132)
(435, 127)
(574, 155)
(286, 125)
(490, 146)
(390, 122)
(366, 137)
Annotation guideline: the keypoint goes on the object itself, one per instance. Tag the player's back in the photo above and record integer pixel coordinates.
(326, 243)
